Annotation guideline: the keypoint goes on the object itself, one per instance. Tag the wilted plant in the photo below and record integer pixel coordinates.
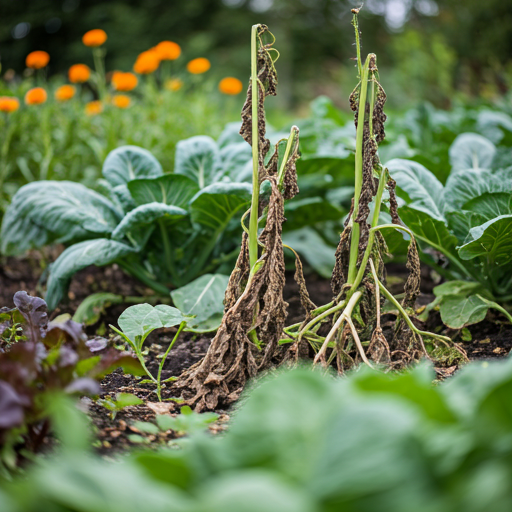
(255, 311)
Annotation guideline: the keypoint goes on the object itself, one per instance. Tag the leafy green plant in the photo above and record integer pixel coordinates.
(467, 223)
(117, 404)
(138, 322)
(164, 229)
(53, 357)
(406, 445)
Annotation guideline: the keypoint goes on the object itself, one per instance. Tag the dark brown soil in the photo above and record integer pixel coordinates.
(489, 339)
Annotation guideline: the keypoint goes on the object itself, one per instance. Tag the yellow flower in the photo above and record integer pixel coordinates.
(198, 66)
(93, 108)
(79, 73)
(121, 100)
(95, 37)
(124, 81)
(230, 85)
(37, 60)
(147, 62)
(64, 93)
(36, 96)
(9, 104)
(173, 84)
(168, 50)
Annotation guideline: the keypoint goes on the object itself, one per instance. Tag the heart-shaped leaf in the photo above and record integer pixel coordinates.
(137, 322)
(198, 158)
(471, 151)
(170, 189)
(128, 163)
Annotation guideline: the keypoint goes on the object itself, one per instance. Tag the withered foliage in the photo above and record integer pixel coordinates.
(342, 255)
(232, 357)
(267, 83)
(393, 204)
(307, 304)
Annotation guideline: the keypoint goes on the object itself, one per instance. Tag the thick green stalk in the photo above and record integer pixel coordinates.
(354, 239)
(371, 237)
(167, 250)
(253, 221)
(136, 270)
(291, 140)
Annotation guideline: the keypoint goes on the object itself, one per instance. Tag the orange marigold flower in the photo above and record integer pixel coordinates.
(168, 50)
(198, 66)
(121, 100)
(230, 85)
(93, 107)
(95, 37)
(9, 104)
(173, 84)
(124, 81)
(36, 96)
(64, 93)
(147, 62)
(79, 73)
(37, 60)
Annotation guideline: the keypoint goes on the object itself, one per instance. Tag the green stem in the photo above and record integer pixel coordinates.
(371, 237)
(97, 54)
(355, 24)
(320, 317)
(291, 139)
(197, 267)
(406, 317)
(450, 256)
(167, 250)
(162, 362)
(253, 221)
(354, 239)
(136, 270)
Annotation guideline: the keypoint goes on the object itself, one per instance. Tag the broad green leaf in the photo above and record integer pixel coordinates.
(234, 158)
(137, 322)
(128, 163)
(198, 158)
(471, 151)
(97, 252)
(464, 187)
(204, 298)
(93, 306)
(123, 197)
(430, 230)
(458, 311)
(170, 189)
(308, 211)
(43, 212)
(456, 287)
(308, 243)
(215, 205)
(492, 240)
(422, 190)
(138, 224)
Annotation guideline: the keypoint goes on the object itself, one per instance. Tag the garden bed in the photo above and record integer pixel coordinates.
(489, 340)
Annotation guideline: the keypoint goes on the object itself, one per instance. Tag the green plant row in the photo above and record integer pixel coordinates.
(303, 442)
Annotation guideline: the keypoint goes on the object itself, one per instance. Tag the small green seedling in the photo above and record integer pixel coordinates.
(121, 401)
(188, 422)
(137, 322)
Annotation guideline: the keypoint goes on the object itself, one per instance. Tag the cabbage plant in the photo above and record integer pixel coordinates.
(468, 224)
(165, 229)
